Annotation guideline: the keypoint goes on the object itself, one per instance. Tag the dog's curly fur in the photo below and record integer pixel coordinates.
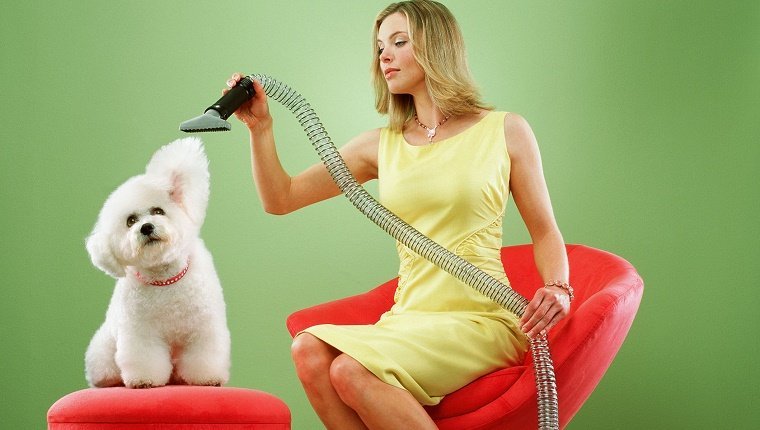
(148, 230)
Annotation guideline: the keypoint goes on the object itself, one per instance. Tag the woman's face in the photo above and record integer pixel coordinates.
(401, 71)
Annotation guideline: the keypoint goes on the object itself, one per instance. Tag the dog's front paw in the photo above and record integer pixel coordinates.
(203, 370)
(207, 381)
(141, 383)
(149, 369)
(210, 383)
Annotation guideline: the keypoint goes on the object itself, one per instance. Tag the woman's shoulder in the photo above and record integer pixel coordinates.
(372, 135)
(368, 137)
(365, 143)
(517, 133)
(515, 124)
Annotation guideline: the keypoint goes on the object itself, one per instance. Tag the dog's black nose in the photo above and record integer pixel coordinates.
(147, 229)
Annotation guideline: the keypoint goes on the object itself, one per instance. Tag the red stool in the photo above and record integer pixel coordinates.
(169, 408)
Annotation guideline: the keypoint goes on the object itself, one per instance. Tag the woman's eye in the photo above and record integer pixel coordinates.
(131, 220)
(157, 211)
(400, 43)
(379, 51)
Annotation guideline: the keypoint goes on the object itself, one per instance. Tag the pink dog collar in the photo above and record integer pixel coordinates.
(166, 282)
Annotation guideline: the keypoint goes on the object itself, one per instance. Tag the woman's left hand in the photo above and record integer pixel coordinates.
(548, 307)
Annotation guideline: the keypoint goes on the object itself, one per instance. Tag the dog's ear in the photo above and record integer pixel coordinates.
(101, 254)
(181, 167)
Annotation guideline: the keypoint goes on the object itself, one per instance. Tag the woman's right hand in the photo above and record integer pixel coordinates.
(253, 113)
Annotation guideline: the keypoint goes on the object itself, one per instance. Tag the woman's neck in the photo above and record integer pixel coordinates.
(427, 113)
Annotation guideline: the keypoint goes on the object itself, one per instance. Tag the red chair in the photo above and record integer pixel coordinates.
(608, 291)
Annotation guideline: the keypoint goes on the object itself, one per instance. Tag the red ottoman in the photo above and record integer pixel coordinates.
(169, 408)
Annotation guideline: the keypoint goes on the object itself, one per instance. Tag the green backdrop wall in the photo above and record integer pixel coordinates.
(646, 113)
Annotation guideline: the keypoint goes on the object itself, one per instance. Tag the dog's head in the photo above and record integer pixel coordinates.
(152, 218)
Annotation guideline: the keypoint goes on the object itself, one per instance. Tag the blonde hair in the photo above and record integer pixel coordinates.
(438, 48)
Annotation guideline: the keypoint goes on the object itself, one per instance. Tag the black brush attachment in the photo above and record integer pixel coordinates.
(214, 117)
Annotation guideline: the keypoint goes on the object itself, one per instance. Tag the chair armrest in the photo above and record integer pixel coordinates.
(365, 308)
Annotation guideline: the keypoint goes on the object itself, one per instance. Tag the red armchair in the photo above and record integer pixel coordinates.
(608, 291)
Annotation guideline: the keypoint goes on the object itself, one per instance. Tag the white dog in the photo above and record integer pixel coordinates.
(166, 321)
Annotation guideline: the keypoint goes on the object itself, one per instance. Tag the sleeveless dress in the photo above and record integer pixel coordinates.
(441, 334)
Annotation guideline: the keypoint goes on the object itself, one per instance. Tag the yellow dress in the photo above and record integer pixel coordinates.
(441, 334)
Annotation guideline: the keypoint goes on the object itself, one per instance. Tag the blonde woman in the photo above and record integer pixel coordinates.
(446, 164)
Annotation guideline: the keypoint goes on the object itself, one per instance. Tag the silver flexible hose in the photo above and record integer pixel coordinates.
(548, 410)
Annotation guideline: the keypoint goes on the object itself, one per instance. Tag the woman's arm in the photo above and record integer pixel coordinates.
(279, 192)
(529, 190)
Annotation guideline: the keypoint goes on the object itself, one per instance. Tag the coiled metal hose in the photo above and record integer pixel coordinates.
(546, 387)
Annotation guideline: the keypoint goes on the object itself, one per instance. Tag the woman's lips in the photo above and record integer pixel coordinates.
(390, 72)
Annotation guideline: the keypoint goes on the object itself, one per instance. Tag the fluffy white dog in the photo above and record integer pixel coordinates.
(166, 321)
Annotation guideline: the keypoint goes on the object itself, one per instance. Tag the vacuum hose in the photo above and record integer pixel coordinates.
(548, 409)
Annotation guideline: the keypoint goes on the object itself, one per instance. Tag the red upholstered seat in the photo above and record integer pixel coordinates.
(172, 407)
(608, 291)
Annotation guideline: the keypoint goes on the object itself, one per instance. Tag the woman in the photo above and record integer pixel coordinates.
(446, 165)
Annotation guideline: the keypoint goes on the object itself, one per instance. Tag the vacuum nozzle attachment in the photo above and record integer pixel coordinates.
(209, 121)
(214, 117)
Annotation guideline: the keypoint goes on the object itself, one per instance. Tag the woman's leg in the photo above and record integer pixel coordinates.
(313, 359)
(380, 405)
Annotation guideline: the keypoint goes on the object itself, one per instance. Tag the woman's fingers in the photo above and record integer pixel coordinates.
(234, 79)
(555, 319)
(543, 313)
(231, 82)
(254, 109)
(536, 315)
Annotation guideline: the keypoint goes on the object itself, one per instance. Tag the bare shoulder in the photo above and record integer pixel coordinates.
(518, 135)
(361, 154)
(364, 145)
(369, 137)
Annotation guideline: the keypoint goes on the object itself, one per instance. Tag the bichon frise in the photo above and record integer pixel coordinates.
(166, 321)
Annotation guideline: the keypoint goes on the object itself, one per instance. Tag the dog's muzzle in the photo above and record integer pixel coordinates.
(147, 229)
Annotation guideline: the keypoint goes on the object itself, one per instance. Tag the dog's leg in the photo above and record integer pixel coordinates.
(99, 361)
(206, 361)
(145, 361)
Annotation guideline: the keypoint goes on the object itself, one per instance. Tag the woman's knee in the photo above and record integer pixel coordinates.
(311, 356)
(349, 378)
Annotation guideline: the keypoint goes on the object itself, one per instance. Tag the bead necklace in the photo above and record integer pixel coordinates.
(430, 131)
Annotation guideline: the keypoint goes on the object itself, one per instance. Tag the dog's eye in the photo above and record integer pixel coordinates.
(131, 220)
(157, 211)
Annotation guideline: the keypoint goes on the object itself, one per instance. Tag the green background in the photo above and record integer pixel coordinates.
(647, 114)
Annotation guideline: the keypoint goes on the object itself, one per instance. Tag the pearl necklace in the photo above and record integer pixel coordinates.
(430, 131)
